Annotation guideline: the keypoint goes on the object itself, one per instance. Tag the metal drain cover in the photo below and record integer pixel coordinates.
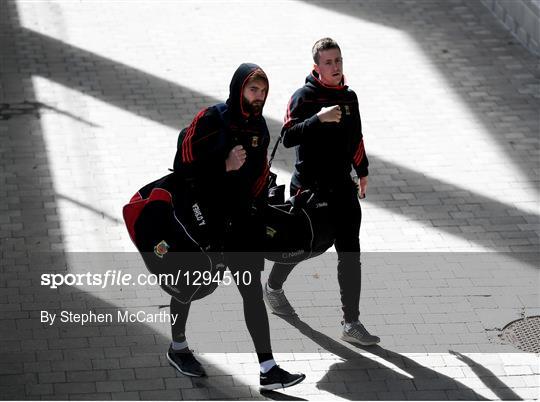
(524, 334)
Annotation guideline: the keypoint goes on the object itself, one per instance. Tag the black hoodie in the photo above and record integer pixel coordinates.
(325, 152)
(205, 144)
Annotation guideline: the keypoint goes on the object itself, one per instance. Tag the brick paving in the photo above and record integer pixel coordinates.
(97, 93)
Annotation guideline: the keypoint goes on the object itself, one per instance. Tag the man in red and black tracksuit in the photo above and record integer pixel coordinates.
(323, 123)
(223, 153)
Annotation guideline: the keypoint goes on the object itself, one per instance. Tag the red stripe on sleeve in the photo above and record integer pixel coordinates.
(187, 144)
(359, 155)
(261, 181)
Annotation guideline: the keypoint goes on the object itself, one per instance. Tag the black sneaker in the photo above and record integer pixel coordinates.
(276, 378)
(184, 361)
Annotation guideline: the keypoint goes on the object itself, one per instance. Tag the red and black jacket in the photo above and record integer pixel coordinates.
(205, 144)
(325, 152)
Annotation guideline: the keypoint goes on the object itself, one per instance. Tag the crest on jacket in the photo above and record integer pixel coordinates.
(161, 248)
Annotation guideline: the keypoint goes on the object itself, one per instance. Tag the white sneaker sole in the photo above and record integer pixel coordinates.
(271, 387)
(350, 339)
(176, 366)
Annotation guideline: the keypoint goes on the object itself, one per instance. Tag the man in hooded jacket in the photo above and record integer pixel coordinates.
(224, 153)
(323, 123)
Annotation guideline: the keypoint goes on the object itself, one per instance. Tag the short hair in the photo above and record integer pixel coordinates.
(259, 75)
(323, 44)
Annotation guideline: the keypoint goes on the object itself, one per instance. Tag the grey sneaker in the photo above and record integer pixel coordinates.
(277, 302)
(358, 334)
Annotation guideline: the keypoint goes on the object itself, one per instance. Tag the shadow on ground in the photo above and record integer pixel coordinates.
(431, 196)
(467, 36)
(98, 362)
(360, 378)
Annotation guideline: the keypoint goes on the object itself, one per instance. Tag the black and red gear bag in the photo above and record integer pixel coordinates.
(170, 229)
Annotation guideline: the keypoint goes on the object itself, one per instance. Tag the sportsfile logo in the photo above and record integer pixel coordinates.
(108, 278)
(198, 214)
(187, 277)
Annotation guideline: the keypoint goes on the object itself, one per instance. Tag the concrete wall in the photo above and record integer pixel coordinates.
(521, 17)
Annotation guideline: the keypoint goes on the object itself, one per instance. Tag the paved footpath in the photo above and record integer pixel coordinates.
(92, 96)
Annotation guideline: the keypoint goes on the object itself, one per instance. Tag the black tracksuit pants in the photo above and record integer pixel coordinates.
(242, 242)
(346, 214)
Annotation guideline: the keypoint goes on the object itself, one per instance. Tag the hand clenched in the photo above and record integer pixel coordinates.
(236, 158)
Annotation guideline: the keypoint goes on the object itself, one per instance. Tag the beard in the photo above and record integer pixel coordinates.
(253, 108)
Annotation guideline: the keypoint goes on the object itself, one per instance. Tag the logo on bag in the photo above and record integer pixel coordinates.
(161, 248)
(346, 109)
(254, 141)
(270, 232)
(198, 214)
(292, 254)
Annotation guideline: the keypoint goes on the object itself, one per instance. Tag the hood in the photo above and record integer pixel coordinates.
(238, 81)
(314, 80)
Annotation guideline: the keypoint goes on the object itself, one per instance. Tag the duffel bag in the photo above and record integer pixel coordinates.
(297, 229)
(170, 231)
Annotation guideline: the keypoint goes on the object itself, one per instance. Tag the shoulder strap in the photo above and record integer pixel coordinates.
(273, 154)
